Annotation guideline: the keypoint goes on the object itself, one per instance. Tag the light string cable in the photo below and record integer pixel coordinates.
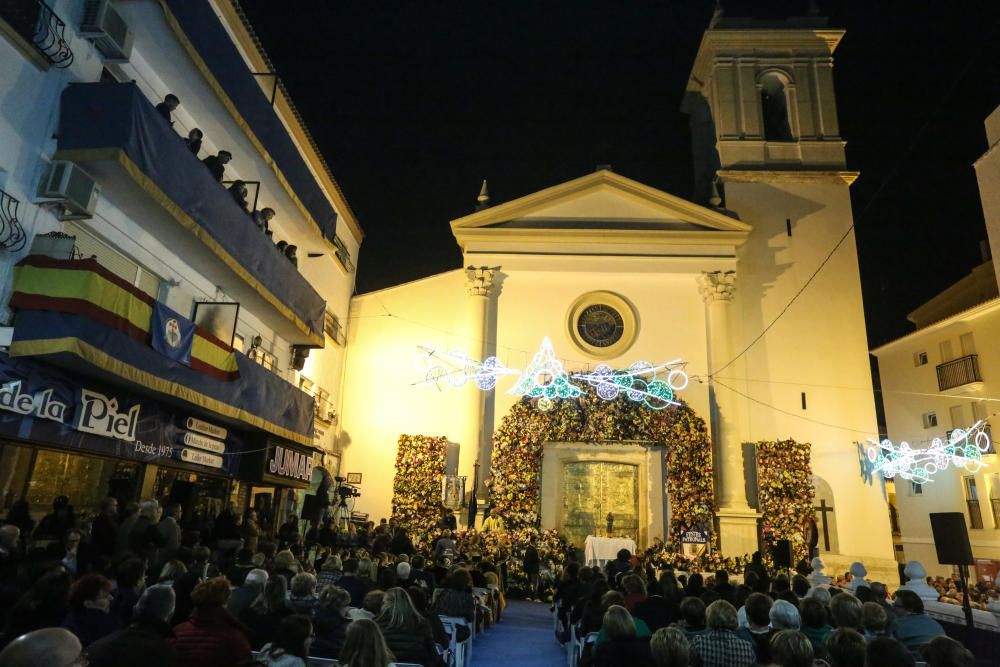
(903, 158)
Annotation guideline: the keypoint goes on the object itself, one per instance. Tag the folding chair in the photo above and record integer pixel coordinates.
(461, 651)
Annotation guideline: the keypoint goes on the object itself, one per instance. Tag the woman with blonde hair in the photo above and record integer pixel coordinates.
(170, 571)
(365, 647)
(406, 632)
(670, 648)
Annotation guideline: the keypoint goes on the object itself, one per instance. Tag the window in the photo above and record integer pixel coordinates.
(89, 245)
(333, 328)
(967, 343)
(957, 413)
(342, 253)
(930, 420)
(774, 108)
(916, 488)
(946, 351)
(972, 501)
(994, 482)
(920, 359)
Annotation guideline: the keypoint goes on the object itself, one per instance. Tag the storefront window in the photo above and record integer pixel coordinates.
(201, 497)
(15, 466)
(85, 480)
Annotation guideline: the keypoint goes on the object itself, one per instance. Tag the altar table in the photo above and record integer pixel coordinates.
(597, 551)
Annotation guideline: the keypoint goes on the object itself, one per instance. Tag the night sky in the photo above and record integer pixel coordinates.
(414, 103)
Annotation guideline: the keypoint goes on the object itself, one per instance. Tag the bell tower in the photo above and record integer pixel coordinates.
(768, 150)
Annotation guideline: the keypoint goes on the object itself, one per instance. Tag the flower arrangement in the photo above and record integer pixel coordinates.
(664, 557)
(416, 489)
(786, 493)
(509, 546)
(517, 454)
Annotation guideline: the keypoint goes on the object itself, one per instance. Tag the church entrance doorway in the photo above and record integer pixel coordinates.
(581, 482)
(593, 490)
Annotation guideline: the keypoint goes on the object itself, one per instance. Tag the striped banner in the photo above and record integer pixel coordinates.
(84, 287)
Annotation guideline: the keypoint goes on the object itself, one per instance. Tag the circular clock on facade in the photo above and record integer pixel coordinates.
(602, 324)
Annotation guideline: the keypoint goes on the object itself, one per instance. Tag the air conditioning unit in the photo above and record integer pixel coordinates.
(106, 28)
(72, 187)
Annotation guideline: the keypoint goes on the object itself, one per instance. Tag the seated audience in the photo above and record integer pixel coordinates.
(846, 611)
(244, 596)
(814, 624)
(407, 634)
(455, 597)
(874, 619)
(303, 593)
(784, 616)
(719, 646)
(913, 627)
(290, 647)
(946, 652)
(167, 107)
(355, 585)
(266, 612)
(888, 652)
(611, 599)
(216, 164)
(365, 647)
(330, 622)
(212, 638)
(669, 648)
(845, 647)
(146, 640)
(90, 616)
(622, 646)
(758, 628)
(692, 619)
(791, 648)
(47, 647)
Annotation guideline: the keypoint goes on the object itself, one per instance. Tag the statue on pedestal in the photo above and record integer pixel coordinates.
(611, 524)
(817, 577)
(916, 581)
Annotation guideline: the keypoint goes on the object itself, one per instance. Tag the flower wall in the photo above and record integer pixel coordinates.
(416, 489)
(784, 477)
(517, 454)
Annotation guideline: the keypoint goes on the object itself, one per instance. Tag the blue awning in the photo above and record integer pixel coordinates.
(115, 122)
(208, 36)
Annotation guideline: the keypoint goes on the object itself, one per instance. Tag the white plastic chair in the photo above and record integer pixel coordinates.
(461, 651)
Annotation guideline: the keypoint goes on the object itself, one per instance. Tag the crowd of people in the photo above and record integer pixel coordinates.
(640, 618)
(131, 587)
(238, 190)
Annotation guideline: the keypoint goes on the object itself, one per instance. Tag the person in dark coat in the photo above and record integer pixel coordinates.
(407, 634)
(725, 589)
(130, 577)
(185, 584)
(167, 107)
(619, 567)
(193, 141)
(145, 641)
(266, 612)
(531, 564)
(90, 616)
(43, 605)
(247, 594)
(212, 638)
(143, 539)
(356, 586)
(401, 543)
(56, 524)
(216, 164)
(104, 531)
(330, 622)
(622, 646)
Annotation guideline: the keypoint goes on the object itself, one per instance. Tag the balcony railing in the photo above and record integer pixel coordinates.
(995, 503)
(961, 371)
(36, 23)
(145, 167)
(975, 514)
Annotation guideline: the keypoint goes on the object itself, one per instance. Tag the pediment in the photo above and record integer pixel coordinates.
(601, 202)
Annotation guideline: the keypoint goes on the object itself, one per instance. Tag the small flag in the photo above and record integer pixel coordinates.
(172, 334)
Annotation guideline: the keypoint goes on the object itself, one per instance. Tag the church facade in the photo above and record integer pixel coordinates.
(612, 271)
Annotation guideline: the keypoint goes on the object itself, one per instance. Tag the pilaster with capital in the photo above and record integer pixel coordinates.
(737, 522)
(481, 284)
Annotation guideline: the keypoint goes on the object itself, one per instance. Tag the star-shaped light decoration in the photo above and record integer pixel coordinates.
(964, 448)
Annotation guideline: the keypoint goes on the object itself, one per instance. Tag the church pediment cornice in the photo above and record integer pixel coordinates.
(603, 207)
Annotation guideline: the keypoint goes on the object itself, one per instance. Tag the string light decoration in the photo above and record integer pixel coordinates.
(545, 378)
(964, 448)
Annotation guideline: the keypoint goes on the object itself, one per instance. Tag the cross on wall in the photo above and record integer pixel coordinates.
(823, 509)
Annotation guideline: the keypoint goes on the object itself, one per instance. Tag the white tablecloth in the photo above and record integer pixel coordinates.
(599, 550)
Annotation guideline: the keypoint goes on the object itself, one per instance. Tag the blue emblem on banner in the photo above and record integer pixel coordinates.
(172, 334)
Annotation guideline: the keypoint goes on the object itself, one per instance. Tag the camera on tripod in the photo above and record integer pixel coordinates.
(345, 490)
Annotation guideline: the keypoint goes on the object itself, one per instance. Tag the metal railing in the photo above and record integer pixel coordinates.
(995, 504)
(12, 236)
(958, 372)
(38, 24)
(975, 514)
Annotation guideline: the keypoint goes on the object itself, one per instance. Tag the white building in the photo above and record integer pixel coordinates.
(78, 85)
(943, 376)
(679, 279)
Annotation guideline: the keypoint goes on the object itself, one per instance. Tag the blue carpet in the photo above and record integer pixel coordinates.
(524, 638)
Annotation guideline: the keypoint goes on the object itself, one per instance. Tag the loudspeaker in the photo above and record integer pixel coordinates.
(312, 510)
(951, 538)
(781, 554)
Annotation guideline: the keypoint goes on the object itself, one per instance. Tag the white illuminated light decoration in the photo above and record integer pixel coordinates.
(963, 449)
(546, 379)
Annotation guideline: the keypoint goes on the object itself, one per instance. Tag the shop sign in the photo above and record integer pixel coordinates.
(25, 403)
(99, 415)
(201, 442)
(206, 428)
(201, 458)
(286, 462)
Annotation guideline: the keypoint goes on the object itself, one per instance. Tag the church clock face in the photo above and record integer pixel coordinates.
(600, 325)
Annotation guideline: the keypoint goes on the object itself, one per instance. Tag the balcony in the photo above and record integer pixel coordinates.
(995, 504)
(960, 374)
(37, 31)
(147, 171)
(975, 515)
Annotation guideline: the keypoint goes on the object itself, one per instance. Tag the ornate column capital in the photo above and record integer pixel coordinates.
(479, 280)
(717, 285)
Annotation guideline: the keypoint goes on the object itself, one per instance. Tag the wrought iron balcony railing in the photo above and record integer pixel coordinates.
(12, 236)
(35, 21)
(975, 514)
(958, 372)
(995, 503)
